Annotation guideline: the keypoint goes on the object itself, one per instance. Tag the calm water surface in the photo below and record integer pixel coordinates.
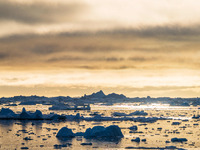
(43, 133)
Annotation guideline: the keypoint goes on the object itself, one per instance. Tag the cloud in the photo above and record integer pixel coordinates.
(40, 12)
(148, 48)
(4, 55)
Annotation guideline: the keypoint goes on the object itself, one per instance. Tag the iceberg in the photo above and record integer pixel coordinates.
(139, 113)
(137, 139)
(65, 132)
(136, 113)
(37, 115)
(24, 114)
(7, 113)
(112, 131)
(133, 128)
(97, 132)
(179, 140)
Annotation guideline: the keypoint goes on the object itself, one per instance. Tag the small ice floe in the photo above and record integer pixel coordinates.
(179, 140)
(195, 124)
(11, 105)
(143, 140)
(136, 113)
(62, 106)
(136, 132)
(119, 114)
(78, 117)
(27, 138)
(94, 114)
(112, 131)
(195, 116)
(156, 148)
(24, 148)
(185, 120)
(56, 146)
(137, 139)
(17, 134)
(65, 132)
(159, 129)
(56, 117)
(167, 141)
(176, 123)
(133, 128)
(86, 143)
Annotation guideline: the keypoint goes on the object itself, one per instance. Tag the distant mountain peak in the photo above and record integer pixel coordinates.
(99, 94)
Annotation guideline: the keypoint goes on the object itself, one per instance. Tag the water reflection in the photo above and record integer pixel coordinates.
(5, 124)
(156, 134)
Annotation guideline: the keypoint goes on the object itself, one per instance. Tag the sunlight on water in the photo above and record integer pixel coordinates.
(156, 134)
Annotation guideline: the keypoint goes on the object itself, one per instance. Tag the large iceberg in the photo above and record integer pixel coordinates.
(27, 115)
(100, 132)
(7, 113)
(65, 132)
(112, 131)
(37, 115)
(24, 114)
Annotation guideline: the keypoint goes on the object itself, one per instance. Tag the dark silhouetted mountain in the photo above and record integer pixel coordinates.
(116, 96)
(99, 94)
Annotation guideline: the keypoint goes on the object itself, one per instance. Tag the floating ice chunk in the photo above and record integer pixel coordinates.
(24, 148)
(112, 131)
(176, 123)
(195, 117)
(134, 128)
(178, 140)
(11, 105)
(144, 140)
(56, 146)
(137, 139)
(65, 132)
(78, 117)
(27, 138)
(86, 143)
(58, 117)
(119, 114)
(136, 113)
(139, 113)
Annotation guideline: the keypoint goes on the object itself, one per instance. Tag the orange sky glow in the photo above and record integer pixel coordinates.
(134, 47)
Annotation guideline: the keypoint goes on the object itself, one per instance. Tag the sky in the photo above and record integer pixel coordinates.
(134, 47)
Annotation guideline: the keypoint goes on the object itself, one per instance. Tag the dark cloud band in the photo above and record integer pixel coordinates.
(40, 12)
